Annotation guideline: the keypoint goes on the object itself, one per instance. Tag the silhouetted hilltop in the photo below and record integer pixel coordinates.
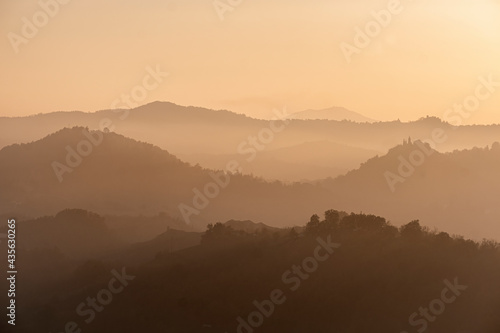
(170, 112)
(249, 226)
(75, 233)
(67, 169)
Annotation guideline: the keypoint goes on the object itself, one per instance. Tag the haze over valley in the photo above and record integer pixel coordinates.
(250, 166)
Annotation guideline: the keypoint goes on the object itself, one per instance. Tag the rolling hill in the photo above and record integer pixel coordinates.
(456, 191)
(121, 176)
(199, 131)
(365, 268)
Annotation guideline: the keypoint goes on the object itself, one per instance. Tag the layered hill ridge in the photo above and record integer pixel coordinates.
(159, 122)
(121, 176)
(333, 113)
(207, 137)
(457, 191)
(250, 226)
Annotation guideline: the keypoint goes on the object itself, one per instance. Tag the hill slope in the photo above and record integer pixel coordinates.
(206, 137)
(121, 176)
(359, 274)
(190, 130)
(455, 191)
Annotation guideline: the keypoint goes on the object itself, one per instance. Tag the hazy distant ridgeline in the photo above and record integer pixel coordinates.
(335, 113)
(206, 136)
(303, 162)
(187, 130)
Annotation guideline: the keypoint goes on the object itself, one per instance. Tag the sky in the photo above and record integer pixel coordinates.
(426, 57)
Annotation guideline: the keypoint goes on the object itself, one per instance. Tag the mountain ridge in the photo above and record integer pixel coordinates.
(334, 113)
(125, 176)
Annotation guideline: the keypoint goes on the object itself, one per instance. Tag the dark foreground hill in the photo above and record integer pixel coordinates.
(344, 273)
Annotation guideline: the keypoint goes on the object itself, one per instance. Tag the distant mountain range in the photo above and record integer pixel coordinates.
(210, 138)
(333, 113)
(194, 130)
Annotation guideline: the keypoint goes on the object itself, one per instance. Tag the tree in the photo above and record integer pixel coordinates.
(313, 224)
(332, 219)
(412, 229)
(217, 232)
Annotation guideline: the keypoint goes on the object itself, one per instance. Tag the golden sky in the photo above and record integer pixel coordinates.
(264, 54)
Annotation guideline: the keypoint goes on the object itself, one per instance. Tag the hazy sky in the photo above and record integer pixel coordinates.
(264, 54)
